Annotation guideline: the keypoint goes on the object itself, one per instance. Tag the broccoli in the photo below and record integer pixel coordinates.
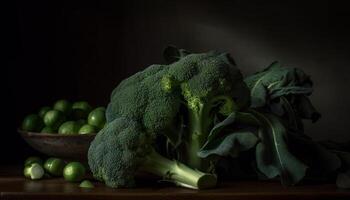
(195, 88)
(122, 148)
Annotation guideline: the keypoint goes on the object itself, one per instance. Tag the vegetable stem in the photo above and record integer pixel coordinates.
(177, 172)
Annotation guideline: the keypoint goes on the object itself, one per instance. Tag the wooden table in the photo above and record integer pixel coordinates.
(14, 186)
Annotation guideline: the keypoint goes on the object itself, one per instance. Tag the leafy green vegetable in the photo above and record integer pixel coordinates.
(276, 81)
(272, 154)
(229, 145)
(283, 91)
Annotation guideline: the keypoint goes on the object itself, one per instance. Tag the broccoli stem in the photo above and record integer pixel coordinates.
(177, 172)
(199, 128)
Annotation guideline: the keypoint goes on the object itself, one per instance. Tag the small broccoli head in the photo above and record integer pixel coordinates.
(117, 152)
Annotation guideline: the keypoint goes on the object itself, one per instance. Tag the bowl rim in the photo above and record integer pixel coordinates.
(37, 134)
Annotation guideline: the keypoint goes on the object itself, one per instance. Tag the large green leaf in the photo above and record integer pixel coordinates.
(276, 81)
(272, 155)
(223, 144)
(229, 145)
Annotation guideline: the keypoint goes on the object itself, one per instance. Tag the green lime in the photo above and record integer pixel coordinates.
(81, 109)
(43, 111)
(32, 123)
(86, 129)
(97, 118)
(32, 160)
(33, 171)
(69, 128)
(74, 172)
(54, 118)
(54, 166)
(86, 184)
(48, 129)
(63, 106)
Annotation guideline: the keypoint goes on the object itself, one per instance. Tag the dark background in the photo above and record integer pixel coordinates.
(81, 50)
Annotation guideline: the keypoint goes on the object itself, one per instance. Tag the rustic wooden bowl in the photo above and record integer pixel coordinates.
(71, 147)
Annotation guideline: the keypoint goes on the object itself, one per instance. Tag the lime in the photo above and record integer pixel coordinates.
(86, 184)
(81, 109)
(43, 111)
(48, 129)
(33, 171)
(86, 129)
(74, 172)
(69, 128)
(32, 123)
(54, 166)
(63, 106)
(54, 118)
(33, 159)
(97, 118)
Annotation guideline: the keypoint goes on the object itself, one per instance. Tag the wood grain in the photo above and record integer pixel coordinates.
(14, 186)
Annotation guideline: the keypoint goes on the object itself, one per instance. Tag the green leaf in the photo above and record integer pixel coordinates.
(276, 81)
(272, 155)
(219, 126)
(229, 145)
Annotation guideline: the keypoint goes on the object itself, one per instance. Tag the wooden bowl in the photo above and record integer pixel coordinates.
(71, 147)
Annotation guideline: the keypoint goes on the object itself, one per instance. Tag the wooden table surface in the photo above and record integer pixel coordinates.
(14, 186)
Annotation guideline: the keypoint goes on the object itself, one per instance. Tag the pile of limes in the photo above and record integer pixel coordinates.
(66, 118)
(35, 168)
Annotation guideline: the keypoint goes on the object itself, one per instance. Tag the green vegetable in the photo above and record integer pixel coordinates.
(205, 85)
(54, 166)
(131, 150)
(32, 123)
(81, 109)
(97, 117)
(54, 118)
(284, 91)
(74, 172)
(204, 118)
(64, 106)
(34, 171)
(86, 129)
(69, 128)
(86, 184)
(43, 111)
(32, 160)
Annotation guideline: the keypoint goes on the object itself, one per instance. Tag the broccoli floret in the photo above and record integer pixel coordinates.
(122, 148)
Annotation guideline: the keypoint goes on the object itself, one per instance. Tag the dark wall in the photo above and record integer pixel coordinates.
(82, 50)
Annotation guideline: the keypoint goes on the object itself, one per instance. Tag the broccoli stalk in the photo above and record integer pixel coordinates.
(200, 121)
(176, 172)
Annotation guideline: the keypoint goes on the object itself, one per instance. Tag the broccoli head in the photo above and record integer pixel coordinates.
(121, 149)
(195, 88)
